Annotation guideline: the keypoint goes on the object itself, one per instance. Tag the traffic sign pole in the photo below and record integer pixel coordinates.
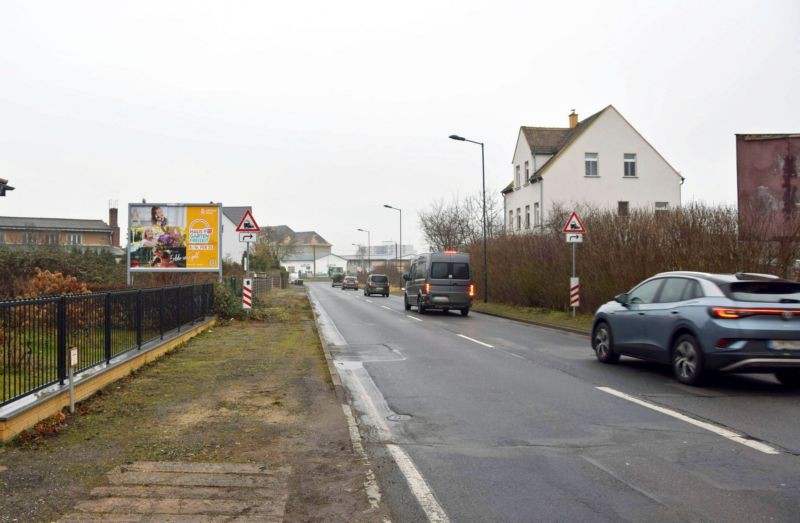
(574, 230)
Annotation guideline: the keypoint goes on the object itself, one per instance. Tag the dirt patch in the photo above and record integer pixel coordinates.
(246, 392)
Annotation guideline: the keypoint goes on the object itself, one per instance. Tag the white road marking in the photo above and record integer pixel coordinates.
(371, 484)
(512, 354)
(412, 317)
(419, 487)
(476, 341)
(387, 308)
(368, 300)
(716, 429)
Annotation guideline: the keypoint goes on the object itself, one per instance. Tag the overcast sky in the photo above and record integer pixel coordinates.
(318, 113)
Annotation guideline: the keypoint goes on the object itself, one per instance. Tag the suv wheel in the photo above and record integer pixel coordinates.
(687, 360)
(465, 311)
(789, 378)
(405, 303)
(420, 306)
(603, 344)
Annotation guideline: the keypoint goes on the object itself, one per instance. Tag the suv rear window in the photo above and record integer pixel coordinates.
(444, 270)
(763, 291)
(379, 279)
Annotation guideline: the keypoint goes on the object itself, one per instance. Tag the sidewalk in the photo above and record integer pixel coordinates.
(240, 424)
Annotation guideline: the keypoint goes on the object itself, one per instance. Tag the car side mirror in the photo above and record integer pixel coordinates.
(407, 276)
(622, 298)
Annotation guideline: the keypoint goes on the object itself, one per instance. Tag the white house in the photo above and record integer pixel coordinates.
(601, 161)
(306, 265)
(232, 248)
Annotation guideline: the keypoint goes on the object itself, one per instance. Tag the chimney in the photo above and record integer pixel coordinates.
(114, 224)
(573, 120)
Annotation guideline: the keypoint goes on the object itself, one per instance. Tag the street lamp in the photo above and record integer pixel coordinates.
(369, 251)
(485, 251)
(4, 187)
(400, 255)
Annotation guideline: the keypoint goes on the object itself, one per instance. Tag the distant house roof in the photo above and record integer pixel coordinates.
(60, 224)
(552, 140)
(235, 214)
(284, 233)
(308, 257)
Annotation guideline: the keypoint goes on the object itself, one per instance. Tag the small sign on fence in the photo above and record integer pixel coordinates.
(73, 357)
(247, 294)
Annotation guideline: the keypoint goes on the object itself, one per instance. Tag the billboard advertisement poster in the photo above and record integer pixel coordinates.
(180, 237)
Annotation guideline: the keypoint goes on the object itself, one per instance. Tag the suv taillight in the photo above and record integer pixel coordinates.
(734, 313)
(427, 288)
(471, 290)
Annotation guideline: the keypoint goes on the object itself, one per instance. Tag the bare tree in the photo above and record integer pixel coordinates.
(459, 223)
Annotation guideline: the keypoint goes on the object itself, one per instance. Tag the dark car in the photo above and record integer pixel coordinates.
(336, 279)
(350, 282)
(700, 322)
(440, 280)
(377, 284)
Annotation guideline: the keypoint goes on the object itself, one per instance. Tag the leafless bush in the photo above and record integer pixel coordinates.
(619, 251)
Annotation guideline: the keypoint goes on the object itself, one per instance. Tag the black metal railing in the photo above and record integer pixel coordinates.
(36, 334)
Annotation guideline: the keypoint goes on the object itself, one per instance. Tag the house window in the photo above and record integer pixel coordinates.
(2, 237)
(590, 161)
(511, 220)
(28, 238)
(630, 165)
(622, 208)
(51, 238)
(74, 239)
(527, 216)
(662, 206)
(290, 268)
(536, 217)
(527, 175)
(516, 177)
(519, 218)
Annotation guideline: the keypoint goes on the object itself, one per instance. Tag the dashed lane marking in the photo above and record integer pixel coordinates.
(476, 341)
(413, 318)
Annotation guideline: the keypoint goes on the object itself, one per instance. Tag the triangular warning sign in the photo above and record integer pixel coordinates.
(247, 223)
(574, 224)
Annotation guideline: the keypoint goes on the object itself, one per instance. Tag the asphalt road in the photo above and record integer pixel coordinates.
(504, 421)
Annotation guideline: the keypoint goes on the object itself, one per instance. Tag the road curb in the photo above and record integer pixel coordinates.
(537, 323)
(341, 394)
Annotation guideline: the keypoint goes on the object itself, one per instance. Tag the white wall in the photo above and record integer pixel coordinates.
(231, 246)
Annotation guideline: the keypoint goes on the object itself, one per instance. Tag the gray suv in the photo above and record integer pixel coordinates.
(439, 280)
(700, 322)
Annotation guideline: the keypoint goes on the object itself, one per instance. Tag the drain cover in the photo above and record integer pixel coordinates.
(398, 417)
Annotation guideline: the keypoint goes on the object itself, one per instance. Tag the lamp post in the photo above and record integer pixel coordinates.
(400, 254)
(4, 187)
(369, 251)
(485, 251)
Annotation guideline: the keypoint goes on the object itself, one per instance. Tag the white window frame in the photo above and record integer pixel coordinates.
(627, 208)
(527, 216)
(516, 177)
(511, 220)
(29, 238)
(662, 206)
(74, 238)
(591, 160)
(527, 179)
(536, 214)
(519, 218)
(629, 165)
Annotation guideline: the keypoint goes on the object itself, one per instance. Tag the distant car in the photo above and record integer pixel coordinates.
(700, 322)
(337, 279)
(377, 284)
(350, 282)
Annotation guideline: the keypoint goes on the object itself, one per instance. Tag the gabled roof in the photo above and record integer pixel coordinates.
(60, 224)
(309, 257)
(284, 233)
(235, 214)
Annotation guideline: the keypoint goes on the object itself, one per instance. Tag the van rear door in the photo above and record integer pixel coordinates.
(450, 280)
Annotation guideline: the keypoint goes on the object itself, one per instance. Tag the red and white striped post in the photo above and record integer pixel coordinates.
(574, 293)
(247, 294)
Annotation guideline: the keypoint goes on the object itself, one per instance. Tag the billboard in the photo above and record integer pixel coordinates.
(768, 177)
(174, 237)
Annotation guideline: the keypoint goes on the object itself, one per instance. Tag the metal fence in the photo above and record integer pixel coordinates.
(36, 334)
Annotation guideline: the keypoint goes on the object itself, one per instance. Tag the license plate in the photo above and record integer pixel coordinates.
(785, 344)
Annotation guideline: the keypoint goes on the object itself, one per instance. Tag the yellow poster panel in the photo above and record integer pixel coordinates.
(202, 237)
